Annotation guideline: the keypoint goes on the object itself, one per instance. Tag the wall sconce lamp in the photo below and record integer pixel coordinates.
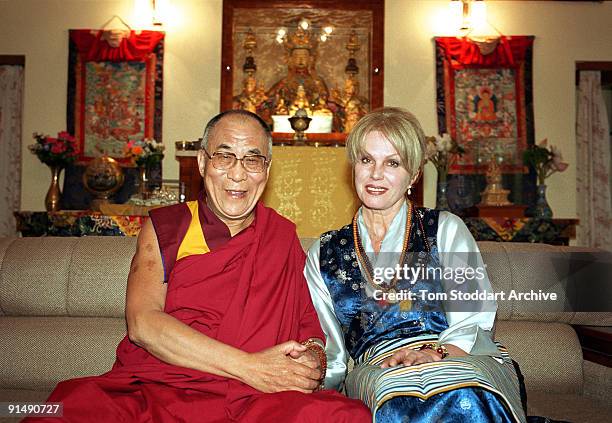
(153, 11)
(468, 14)
(160, 11)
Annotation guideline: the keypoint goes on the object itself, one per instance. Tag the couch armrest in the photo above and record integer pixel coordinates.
(597, 381)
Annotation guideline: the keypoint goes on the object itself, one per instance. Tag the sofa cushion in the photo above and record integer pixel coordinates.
(548, 354)
(65, 276)
(524, 267)
(307, 242)
(568, 407)
(497, 264)
(97, 281)
(4, 245)
(34, 276)
(38, 352)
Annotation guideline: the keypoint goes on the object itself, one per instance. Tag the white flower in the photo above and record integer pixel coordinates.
(444, 142)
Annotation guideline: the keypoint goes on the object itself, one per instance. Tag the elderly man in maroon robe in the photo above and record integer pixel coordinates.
(221, 326)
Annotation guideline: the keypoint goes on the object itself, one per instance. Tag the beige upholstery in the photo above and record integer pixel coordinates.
(543, 368)
(64, 347)
(62, 314)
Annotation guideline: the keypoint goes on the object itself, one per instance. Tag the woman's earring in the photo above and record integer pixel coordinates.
(409, 191)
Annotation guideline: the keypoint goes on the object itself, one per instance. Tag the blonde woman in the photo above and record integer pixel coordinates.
(378, 285)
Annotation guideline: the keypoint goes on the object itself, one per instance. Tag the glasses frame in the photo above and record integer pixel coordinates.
(236, 159)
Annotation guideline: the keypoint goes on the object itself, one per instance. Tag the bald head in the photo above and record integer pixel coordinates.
(238, 117)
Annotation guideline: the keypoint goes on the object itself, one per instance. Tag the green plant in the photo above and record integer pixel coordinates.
(544, 160)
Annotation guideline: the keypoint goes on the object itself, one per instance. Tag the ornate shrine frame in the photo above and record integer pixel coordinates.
(231, 64)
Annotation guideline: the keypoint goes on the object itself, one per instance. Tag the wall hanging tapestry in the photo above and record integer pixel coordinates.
(115, 92)
(485, 102)
(115, 80)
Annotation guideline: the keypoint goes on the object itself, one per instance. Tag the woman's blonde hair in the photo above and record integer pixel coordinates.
(400, 127)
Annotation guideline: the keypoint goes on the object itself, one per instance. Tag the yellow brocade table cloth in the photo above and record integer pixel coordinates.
(312, 187)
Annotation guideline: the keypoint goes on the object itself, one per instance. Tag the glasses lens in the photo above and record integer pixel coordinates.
(223, 161)
(254, 164)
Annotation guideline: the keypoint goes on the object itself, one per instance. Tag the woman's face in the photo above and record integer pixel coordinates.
(381, 180)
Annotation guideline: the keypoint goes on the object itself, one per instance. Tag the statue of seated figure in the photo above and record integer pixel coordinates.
(301, 72)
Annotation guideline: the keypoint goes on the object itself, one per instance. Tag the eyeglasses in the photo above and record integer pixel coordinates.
(253, 163)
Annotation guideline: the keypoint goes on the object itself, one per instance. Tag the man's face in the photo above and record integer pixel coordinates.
(233, 193)
(300, 58)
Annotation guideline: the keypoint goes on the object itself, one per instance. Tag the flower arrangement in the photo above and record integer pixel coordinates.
(59, 151)
(441, 151)
(544, 160)
(144, 153)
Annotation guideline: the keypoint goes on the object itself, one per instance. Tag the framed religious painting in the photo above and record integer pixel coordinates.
(325, 57)
(115, 81)
(485, 103)
(115, 93)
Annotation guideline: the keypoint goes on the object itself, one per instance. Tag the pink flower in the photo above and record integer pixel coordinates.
(58, 148)
(557, 163)
(64, 135)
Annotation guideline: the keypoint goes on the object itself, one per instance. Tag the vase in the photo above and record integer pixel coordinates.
(441, 198)
(142, 182)
(54, 195)
(542, 209)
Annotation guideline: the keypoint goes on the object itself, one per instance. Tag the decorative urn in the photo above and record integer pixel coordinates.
(102, 177)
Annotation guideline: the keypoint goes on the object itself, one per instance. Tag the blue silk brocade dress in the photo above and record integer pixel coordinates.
(481, 387)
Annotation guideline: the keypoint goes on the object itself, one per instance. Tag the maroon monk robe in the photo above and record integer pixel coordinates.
(249, 293)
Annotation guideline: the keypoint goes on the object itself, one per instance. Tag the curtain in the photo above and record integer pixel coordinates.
(11, 100)
(593, 164)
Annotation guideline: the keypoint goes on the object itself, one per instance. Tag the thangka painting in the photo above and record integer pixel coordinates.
(114, 89)
(484, 99)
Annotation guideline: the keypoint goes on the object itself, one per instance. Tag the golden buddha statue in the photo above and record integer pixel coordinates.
(260, 94)
(352, 114)
(300, 102)
(354, 105)
(281, 107)
(321, 109)
(300, 50)
(247, 99)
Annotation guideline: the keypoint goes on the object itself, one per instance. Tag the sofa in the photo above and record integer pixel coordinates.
(62, 315)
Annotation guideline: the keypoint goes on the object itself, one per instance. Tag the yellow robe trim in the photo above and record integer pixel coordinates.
(193, 243)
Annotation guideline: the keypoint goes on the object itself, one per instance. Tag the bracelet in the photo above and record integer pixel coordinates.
(440, 349)
(316, 348)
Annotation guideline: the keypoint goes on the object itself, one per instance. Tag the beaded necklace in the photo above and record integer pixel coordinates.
(363, 259)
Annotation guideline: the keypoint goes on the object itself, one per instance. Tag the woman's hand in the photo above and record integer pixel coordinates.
(410, 357)
(275, 370)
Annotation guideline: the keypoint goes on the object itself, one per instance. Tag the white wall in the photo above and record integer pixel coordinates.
(565, 32)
